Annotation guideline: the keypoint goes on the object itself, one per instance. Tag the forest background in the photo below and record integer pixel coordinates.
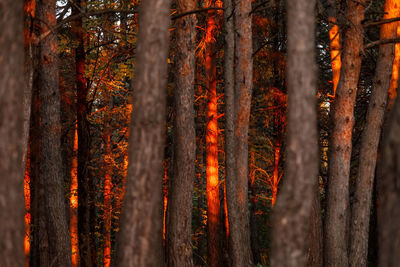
(199, 133)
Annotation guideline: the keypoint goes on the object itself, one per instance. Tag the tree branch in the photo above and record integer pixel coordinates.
(381, 42)
(177, 16)
(377, 23)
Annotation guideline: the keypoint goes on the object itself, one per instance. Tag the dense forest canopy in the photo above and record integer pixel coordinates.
(199, 133)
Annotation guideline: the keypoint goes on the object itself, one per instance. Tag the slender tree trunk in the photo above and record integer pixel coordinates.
(316, 238)
(389, 192)
(337, 211)
(84, 213)
(229, 87)
(140, 238)
(291, 220)
(361, 209)
(214, 252)
(239, 101)
(107, 192)
(334, 37)
(180, 199)
(73, 202)
(51, 161)
(11, 130)
(394, 81)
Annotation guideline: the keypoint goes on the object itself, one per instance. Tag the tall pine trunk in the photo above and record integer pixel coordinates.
(337, 211)
(361, 209)
(291, 220)
(11, 130)
(179, 235)
(51, 173)
(140, 237)
(238, 106)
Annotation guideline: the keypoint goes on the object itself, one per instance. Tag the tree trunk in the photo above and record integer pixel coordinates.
(179, 245)
(11, 130)
(316, 238)
(337, 211)
(361, 209)
(389, 192)
(140, 238)
(394, 81)
(291, 219)
(51, 172)
(334, 37)
(214, 252)
(237, 131)
(84, 233)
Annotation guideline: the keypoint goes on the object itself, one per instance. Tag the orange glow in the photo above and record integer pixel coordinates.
(73, 203)
(275, 176)
(334, 36)
(165, 200)
(107, 205)
(27, 218)
(392, 94)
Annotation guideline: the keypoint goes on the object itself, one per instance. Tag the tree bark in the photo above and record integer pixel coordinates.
(361, 209)
(51, 173)
(337, 211)
(214, 249)
(180, 198)
(291, 219)
(11, 130)
(238, 103)
(140, 238)
(389, 192)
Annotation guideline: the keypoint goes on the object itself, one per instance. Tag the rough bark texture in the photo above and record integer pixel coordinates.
(140, 238)
(11, 130)
(337, 211)
(229, 89)
(388, 186)
(84, 213)
(291, 221)
(51, 173)
(180, 198)
(316, 237)
(237, 189)
(361, 209)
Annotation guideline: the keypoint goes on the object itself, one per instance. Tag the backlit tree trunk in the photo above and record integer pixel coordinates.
(394, 81)
(180, 197)
(334, 37)
(214, 252)
(361, 209)
(140, 237)
(51, 173)
(73, 203)
(107, 191)
(11, 130)
(337, 211)
(291, 222)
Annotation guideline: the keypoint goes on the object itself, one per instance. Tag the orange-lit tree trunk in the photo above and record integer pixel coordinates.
(337, 211)
(140, 237)
(73, 203)
(107, 194)
(275, 174)
(361, 209)
(394, 81)
(334, 37)
(51, 171)
(179, 235)
(292, 211)
(11, 130)
(214, 255)
(239, 101)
